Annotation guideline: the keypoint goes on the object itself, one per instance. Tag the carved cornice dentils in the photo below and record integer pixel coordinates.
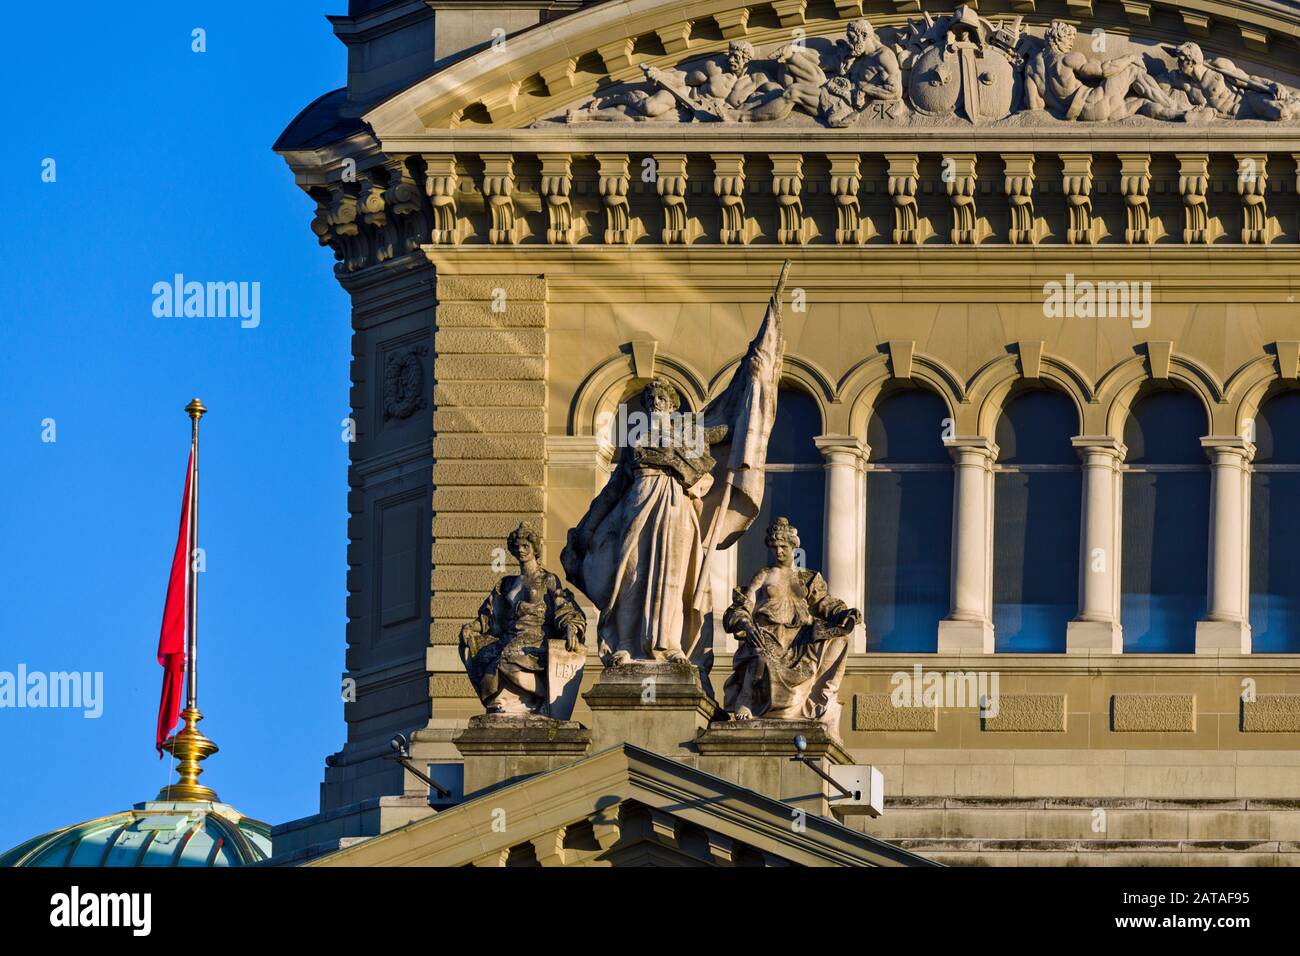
(614, 184)
(729, 187)
(557, 183)
(499, 189)
(1019, 182)
(374, 218)
(440, 184)
(1194, 185)
(846, 182)
(790, 12)
(787, 187)
(1135, 185)
(1252, 186)
(733, 23)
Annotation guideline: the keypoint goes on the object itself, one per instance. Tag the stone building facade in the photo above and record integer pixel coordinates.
(1013, 311)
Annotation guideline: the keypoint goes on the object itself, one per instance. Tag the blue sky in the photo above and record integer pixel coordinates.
(164, 166)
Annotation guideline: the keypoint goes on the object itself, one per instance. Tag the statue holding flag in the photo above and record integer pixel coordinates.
(641, 552)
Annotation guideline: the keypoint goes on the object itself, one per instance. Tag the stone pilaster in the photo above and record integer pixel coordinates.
(1097, 626)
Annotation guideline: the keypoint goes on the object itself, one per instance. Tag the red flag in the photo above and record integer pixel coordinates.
(171, 642)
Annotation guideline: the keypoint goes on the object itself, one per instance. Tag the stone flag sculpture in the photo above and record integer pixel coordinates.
(639, 552)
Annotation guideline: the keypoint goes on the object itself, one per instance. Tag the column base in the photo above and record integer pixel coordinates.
(1225, 638)
(965, 636)
(1087, 637)
(656, 705)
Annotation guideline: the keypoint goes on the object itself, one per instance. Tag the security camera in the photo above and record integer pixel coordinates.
(399, 744)
(800, 743)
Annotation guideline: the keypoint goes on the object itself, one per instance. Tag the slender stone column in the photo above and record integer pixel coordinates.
(1097, 626)
(969, 626)
(845, 525)
(1226, 626)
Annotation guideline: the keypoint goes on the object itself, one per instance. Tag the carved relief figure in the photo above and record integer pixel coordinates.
(1072, 86)
(794, 640)
(1219, 88)
(524, 652)
(968, 65)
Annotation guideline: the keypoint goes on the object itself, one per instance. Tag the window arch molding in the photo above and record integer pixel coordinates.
(1120, 387)
(998, 383)
(1254, 384)
(607, 384)
(797, 372)
(862, 386)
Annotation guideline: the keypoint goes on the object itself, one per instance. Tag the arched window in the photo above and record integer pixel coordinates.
(1275, 527)
(1166, 529)
(909, 523)
(795, 485)
(1038, 486)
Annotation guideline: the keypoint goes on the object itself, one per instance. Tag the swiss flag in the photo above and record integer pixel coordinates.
(171, 642)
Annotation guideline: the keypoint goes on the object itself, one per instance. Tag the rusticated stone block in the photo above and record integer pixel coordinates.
(485, 447)
(490, 342)
(1271, 714)
(479, 420)
(449, 526)
(876, 712)
(478, 473)
(1153, 713)
(473, 394)
(1027, 713)
(480, 315)
(505, 289)
(450, 685)
(508, 499)
(488, 368)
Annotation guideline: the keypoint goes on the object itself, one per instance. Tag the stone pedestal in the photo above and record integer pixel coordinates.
(656, 705)
(502, 749)
(756, 754)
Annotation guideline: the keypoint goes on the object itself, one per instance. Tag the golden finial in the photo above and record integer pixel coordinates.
(190, 748)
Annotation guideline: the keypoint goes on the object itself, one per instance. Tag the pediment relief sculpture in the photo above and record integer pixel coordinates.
(959, 68)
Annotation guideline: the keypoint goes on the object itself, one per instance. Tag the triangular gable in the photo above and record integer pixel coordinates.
(623, 806)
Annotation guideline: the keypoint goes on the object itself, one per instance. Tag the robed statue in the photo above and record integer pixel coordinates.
(794, 640)
(525, 651)
(676, 496)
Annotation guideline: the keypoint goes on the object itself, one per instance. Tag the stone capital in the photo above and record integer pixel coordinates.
(836, 448)
(972, 450)
(1228, 449)
(1090, 447)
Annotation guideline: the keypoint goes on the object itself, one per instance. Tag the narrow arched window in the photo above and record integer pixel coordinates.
(1275, 527)
(909, 522)
(1166, 523)
(795, 485)
(1037, 495)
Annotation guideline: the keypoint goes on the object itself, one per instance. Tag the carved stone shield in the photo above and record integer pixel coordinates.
(988, 85)
(563, 678)
(935, 83)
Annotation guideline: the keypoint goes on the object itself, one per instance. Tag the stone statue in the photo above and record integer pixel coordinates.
(1218, 88)
(866, 73)
(639, 552)
(794, 640)
(524, 652)
(1071, 86)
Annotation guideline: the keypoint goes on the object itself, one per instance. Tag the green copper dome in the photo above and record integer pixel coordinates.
(180, 833)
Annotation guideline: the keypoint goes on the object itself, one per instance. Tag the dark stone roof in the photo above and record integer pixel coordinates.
(319, 124)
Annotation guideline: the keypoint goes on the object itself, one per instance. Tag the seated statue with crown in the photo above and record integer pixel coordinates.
(794, 640)
(524, 653)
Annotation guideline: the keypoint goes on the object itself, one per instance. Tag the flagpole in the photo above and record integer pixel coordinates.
(190, 747)
(715, 526)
